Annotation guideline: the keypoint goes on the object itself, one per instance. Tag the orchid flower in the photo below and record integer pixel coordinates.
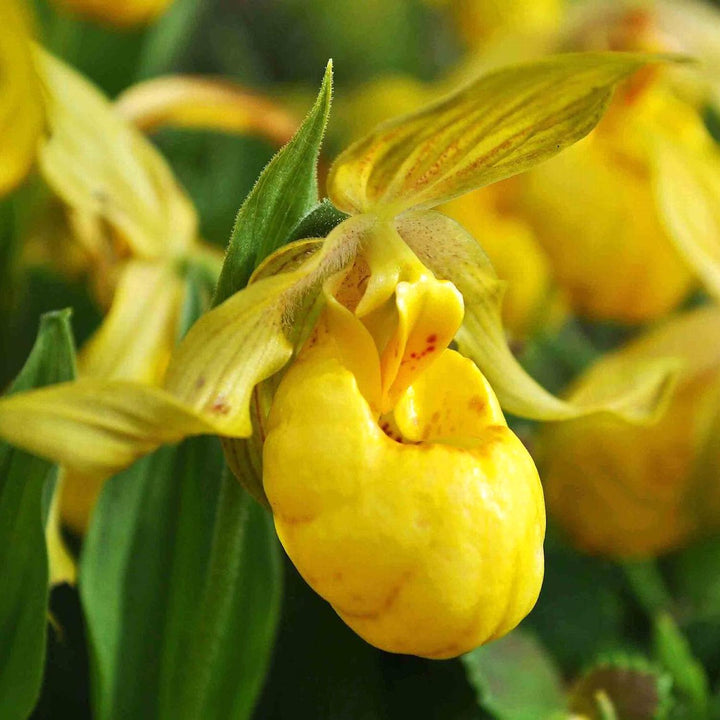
(396, 486)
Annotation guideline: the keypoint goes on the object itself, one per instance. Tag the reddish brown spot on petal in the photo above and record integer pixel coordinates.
(220, 406)
(431, 339)
(477, 404)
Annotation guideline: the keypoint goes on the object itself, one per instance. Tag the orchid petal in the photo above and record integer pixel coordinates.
(137, 336)
(205, 103)
(100, 165)
(635, 392)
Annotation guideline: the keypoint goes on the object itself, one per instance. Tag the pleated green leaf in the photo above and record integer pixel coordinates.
(26, 488)
(180, 583)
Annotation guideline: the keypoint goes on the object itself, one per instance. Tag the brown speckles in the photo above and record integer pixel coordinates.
(390, 600)
(388, 430)
(220, 405)
(431, 339)
(477, 404)
(200, 383)
(418, 354)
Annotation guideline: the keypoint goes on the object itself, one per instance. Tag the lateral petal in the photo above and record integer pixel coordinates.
(636, 392)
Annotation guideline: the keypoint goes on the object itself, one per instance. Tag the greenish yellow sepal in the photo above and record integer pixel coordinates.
(635, 392)
(499, 125)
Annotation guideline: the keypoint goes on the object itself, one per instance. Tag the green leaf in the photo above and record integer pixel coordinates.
(515, 678)
(284, 193)
(674, 653)
(628, 688)
(180, 583)
(26, 487)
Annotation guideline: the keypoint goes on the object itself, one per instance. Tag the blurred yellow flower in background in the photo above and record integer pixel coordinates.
(630, 491)
(117, 12)
(479, 22)
(21, 109)
(595, 213)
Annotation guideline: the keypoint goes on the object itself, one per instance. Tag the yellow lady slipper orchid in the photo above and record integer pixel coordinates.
(420, 520)
(123, 13)
(630, 491)
(396, 486)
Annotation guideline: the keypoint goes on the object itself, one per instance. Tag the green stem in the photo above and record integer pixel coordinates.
(167, 38)
(648, 585)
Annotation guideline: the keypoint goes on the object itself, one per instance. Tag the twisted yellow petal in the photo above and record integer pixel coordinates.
(100, 165)
(636, 393)
(139, 333)
(205, 103)
(96, 427)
